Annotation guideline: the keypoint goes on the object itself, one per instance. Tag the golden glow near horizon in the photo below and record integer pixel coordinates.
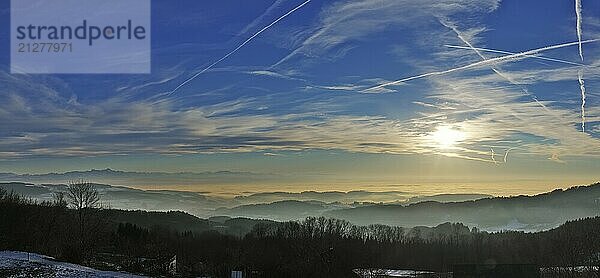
(446, 137)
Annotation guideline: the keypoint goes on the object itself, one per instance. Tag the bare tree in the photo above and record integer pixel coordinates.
(82, 195)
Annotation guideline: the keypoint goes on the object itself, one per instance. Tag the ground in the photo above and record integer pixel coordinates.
(21, 264)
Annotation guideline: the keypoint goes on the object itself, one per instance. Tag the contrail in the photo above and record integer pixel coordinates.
(481, 63)
(511, 53)
(580, 72)
(506, 154)
(239, 46)
(493, 156)
(470, 46)
(578, 14)
(494, 67)
(582, 87)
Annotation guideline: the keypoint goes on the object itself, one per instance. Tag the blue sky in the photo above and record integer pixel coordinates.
(295, 98)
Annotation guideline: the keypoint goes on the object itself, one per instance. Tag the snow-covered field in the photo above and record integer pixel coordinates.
(368, 273)
(22, 264)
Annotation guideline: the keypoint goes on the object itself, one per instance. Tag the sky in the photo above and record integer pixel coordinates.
(316, 96)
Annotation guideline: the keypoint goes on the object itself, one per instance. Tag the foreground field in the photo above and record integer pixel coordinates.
(22, 264)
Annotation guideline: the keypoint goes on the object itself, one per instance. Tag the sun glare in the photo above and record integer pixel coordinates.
(447, 137)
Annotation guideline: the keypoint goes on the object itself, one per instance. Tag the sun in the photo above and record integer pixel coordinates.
(447, 136)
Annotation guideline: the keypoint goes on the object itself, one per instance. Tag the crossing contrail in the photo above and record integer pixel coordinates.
(578, 14)
(470, 46)
(493, 156)
(494, 67)
(239, 46)
(480, 63)
(510, 53)
(582, 87)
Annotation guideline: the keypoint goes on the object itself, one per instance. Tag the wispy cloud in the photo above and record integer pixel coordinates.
(275, 110)
(502, 116)
(275, 75)
(238, 47)
(358, 20)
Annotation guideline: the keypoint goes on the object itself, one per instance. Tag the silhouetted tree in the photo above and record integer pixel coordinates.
(83, 197)
(59, 199)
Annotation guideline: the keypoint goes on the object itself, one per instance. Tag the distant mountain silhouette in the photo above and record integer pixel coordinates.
(111, 176)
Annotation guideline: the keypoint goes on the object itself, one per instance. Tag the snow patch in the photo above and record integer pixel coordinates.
(22, 264)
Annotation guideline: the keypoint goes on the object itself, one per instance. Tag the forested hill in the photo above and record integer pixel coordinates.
(522, 213)
(528, 213)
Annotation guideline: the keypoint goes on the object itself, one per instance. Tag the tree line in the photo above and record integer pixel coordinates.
(75, 228)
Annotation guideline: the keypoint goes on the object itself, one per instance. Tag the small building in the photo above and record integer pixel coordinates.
(237, 274)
